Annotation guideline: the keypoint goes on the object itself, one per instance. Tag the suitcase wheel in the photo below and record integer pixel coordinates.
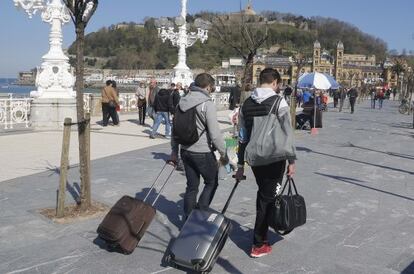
(168, 259)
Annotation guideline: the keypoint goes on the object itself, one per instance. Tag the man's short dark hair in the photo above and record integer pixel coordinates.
(268, 75)
(109, 82)
(204, 80)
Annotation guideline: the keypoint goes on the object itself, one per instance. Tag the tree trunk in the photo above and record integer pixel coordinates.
(247, 77)
(85, 195)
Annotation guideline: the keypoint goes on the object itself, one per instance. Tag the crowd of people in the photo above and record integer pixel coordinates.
(198, 146)
(198, 140)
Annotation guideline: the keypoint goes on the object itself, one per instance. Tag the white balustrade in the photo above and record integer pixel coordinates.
(14, 111)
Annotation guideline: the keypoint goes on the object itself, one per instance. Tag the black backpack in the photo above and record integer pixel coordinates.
(185, 126)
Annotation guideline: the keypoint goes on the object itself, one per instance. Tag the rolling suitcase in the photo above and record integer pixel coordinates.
(127, 221)
(201, 239)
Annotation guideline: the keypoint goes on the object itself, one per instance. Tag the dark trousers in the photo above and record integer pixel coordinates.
(196, 165)
(267, 178)
(107, 112)
(352, 103)
(336, 102)
(142, 111)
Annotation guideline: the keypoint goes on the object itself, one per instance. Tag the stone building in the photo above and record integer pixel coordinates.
(348, 69)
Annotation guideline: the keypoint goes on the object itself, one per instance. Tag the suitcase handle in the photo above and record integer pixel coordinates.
(168, 163)
(231, 195)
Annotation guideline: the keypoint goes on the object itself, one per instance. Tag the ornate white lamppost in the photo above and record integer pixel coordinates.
(182, 39)
(54, 97)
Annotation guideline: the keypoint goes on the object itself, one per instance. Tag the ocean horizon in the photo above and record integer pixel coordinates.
(7, 86)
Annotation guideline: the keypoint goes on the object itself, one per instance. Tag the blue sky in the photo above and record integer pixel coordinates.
(23, 41)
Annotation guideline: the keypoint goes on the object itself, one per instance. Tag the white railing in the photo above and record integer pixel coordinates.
(87, 102)
(221, 99)
(128, 102)
(14, 111)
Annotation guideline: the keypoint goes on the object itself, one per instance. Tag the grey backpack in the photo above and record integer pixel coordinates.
(271, 139)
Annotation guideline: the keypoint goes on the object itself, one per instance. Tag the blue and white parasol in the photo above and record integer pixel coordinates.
(316, 80)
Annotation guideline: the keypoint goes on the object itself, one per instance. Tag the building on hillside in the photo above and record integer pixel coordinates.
(233, 63)
(27, 78)
(281, 63)
(348, 69)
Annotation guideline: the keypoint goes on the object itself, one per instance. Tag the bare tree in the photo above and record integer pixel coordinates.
(245, 38)
(81, 11)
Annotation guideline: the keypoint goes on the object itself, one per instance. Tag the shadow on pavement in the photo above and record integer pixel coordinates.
(74, 191)
(243, 238)
(160, 156)
(171, 209)
(405, 156)
(120, 134)
(353, 181)
(402, 125)
(353, 160)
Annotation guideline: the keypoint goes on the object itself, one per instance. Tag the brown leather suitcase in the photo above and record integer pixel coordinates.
(127, 221)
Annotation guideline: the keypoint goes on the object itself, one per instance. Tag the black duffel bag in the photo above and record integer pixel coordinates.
(288, 211)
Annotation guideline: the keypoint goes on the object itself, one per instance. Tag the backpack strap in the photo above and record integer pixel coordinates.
(277, 104)
(201, 119)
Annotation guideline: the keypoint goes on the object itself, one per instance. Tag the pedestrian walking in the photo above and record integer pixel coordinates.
(152, 92)
(234, 98)
(175, 97)
(118, 106)
(196, 130)
(287, 93)
(342, 98)
(336, 95)
(299, 97)
(352, 94)
(394, 93)
(381, 97)
(141, 94)
(269, 176)
(162, 109)
(373, 95)
(109, 103)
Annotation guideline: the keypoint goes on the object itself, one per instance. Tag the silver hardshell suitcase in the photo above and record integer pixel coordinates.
(201, 239)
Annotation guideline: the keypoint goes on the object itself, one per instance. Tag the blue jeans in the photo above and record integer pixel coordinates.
(159, 116)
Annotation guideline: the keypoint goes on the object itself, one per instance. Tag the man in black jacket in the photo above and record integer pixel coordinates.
(260, 103)
(352, 94)
(162, 107)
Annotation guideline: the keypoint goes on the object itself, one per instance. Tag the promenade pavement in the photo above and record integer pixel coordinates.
(356, 175)
(29, 152)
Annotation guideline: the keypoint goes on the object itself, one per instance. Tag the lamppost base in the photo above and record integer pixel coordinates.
(185, 77)
(49, 113)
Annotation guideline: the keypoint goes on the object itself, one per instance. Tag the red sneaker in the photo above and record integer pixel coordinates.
(258, 252)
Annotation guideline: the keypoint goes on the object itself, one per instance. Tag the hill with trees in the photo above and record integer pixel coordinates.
(134, 46)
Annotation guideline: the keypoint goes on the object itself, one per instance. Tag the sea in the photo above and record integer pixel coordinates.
(7, 86)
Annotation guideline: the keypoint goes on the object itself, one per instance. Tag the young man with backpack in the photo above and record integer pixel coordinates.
(263, 102)
(196, 130)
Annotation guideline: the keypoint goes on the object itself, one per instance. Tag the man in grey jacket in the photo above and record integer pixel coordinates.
(198, 158)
